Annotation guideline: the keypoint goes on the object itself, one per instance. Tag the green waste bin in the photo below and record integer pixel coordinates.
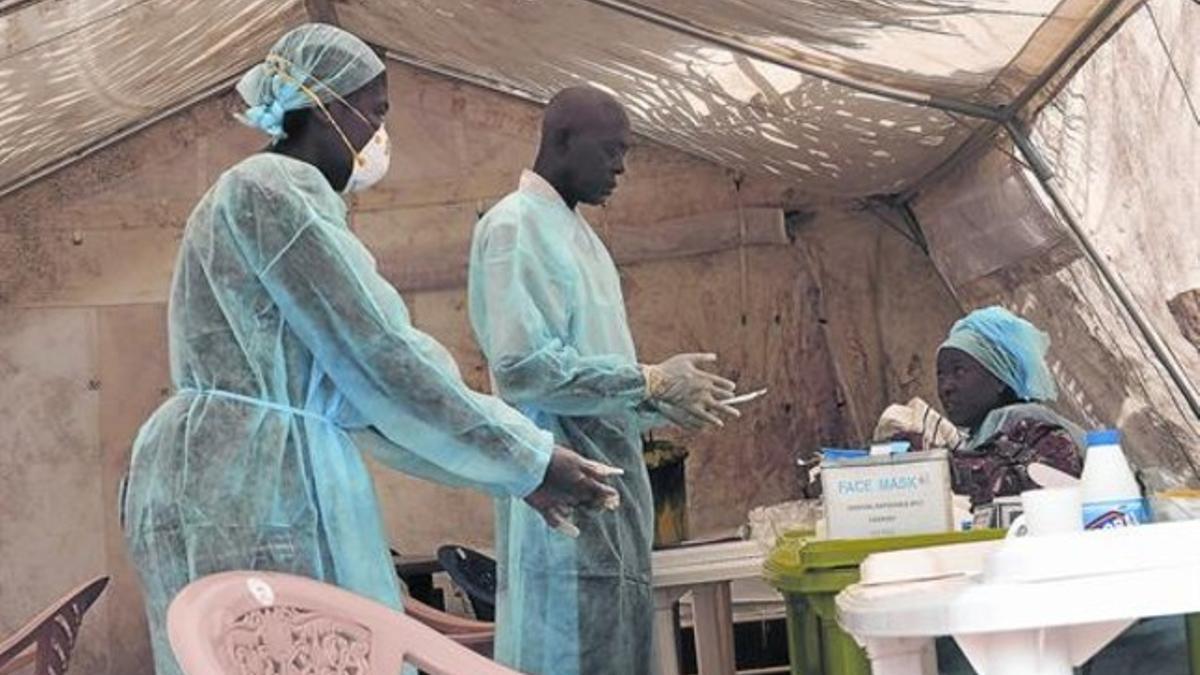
(811, 572)
(1192, 626)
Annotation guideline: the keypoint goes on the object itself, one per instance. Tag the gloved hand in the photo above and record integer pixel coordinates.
(688, 395)
(679, 417)
(572, 481)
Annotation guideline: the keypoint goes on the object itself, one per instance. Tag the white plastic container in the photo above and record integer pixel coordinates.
(1111, 496)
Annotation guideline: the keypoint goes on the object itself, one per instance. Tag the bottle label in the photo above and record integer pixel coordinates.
(1118, 513)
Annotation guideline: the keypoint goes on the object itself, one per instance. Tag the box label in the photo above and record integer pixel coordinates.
(887, 499)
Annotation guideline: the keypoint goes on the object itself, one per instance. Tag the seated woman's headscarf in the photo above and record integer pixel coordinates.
(312, 61)
(1010, 347)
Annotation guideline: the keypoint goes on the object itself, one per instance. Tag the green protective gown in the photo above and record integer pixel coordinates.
(546, 307)
(284, 341)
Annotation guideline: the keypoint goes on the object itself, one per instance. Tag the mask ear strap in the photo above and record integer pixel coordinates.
(276, 59)
(276, 62)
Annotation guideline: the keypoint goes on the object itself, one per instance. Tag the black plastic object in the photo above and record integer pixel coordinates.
(475, 573)
(757, 645)
(417, 575)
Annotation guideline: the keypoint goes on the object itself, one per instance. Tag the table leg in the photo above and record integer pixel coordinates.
(1019, 652)
(902, 656)
(666, 648)
(712, 615)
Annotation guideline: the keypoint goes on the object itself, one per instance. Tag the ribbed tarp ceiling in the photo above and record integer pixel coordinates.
(805, 89)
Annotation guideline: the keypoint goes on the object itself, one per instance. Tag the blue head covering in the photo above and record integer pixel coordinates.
(314, 59)
(1010, 347)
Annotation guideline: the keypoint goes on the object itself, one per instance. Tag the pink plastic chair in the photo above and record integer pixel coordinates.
(478, 636)
(254, 623)
(46, 642)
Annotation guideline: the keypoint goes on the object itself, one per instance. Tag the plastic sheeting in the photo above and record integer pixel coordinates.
(1106, 374)
(733, 109)
(949, 47)
(1124, 151)
(1127, 152)
(73, 72)
(980, 228)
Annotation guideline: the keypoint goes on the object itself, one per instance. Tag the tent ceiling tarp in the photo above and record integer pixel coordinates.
(983, 51)
(73, 72)
(788, 87)
(739, 111)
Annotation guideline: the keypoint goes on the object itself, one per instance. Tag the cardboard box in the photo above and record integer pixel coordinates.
(888, 495)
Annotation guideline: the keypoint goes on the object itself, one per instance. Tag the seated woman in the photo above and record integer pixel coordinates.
(994, 383)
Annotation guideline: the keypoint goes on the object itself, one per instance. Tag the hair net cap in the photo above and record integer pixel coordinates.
(1010, 347)
(321, 58)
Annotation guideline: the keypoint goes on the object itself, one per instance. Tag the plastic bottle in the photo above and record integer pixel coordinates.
(1111, 496)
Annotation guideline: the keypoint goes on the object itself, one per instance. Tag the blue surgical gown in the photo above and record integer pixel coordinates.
(284, 342)
(547, 310)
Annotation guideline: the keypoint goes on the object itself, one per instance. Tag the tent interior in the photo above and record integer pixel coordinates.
(817, 190)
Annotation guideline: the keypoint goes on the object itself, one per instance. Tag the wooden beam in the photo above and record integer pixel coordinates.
(322, 11)
(444, 265)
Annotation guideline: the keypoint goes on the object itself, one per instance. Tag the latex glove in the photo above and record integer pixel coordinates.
(680, 417)
(572, 481)
(917, 423)
(682, 385)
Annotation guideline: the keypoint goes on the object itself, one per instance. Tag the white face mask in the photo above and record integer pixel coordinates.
(370, 163)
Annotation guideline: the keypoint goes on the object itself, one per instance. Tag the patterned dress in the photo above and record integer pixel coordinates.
(994, 461)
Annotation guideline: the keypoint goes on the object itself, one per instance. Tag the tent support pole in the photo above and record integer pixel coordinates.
(462, 76)
(983, 135)
(10, 6)
(1045, 177)
(905, 211)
